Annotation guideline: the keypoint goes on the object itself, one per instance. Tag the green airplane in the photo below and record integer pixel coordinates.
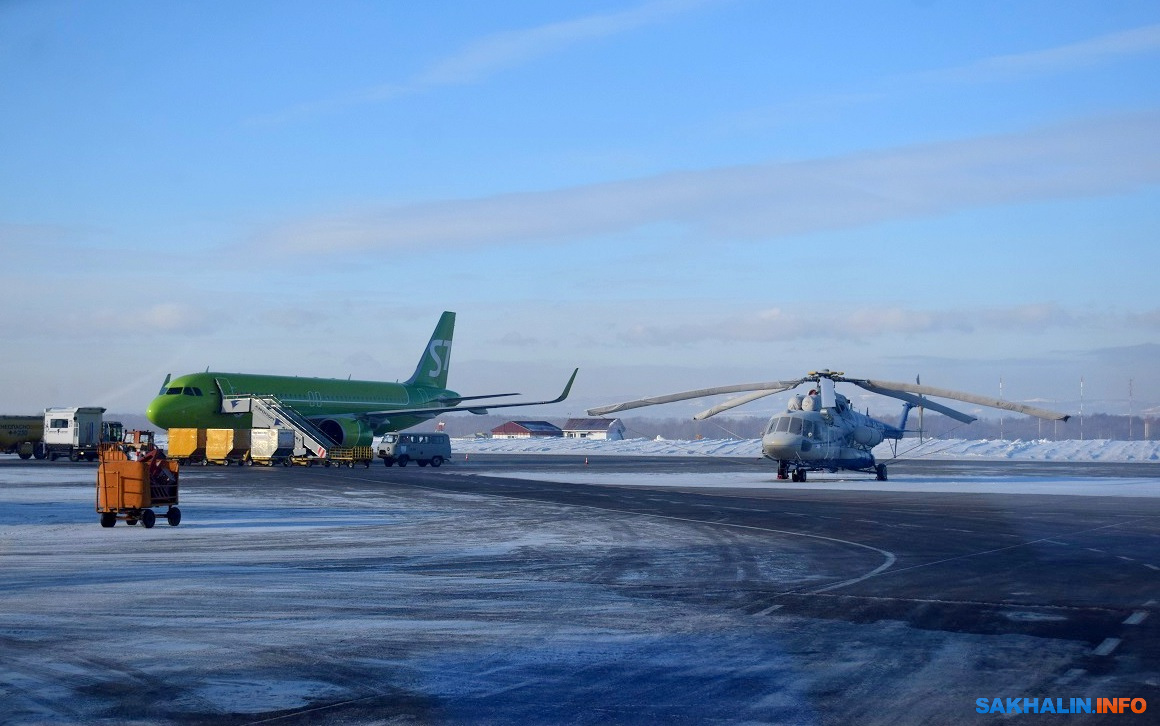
(349, 412)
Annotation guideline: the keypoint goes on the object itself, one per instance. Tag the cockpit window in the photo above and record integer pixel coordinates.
(191, 391)
(795, 425)
(173, 391)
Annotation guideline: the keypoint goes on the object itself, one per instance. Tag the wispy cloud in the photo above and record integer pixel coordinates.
(868, 322)
(769, 201)
(493, 54)
(1087, 53)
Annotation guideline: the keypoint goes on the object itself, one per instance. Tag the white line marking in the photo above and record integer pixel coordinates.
(769, 610)
(1106, 647)
(1136, 618)
(1152, 567)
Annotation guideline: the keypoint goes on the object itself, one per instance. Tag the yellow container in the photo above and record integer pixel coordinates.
(225, 446)
(187, 445)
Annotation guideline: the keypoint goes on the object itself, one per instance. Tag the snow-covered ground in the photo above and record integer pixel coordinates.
(984, 450)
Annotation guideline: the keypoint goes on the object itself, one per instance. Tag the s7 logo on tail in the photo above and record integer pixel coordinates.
(440, 362)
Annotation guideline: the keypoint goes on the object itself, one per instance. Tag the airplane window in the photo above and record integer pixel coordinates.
(173, 392)
(795, 425)
(187, 391)
(196, 391)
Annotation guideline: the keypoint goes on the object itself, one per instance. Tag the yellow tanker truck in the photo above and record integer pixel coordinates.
(21, 434)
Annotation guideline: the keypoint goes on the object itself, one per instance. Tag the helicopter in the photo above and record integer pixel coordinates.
(821, 431)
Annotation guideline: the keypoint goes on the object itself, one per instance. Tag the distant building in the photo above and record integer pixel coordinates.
(526, 430)
(594, 428)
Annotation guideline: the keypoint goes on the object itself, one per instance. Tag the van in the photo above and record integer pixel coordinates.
(433, 449)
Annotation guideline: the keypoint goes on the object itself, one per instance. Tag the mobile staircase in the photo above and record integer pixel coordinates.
(269, 412)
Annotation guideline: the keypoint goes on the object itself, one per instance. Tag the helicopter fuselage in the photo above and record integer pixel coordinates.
(808, 437)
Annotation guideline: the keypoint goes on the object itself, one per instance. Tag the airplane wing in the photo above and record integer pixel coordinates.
(377, 418)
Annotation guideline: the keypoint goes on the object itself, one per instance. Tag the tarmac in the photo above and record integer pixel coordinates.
(465, 595)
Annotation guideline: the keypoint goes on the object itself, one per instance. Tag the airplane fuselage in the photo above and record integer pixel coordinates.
(195, 400)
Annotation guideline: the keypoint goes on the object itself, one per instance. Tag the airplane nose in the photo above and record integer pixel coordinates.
(163, 410)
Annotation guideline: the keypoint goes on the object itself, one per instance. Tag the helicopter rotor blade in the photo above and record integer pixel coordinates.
(967, 397)
(917, 401)
(767, 386)
(734, 402)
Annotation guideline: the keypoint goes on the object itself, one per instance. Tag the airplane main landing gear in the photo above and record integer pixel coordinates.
(799, 475)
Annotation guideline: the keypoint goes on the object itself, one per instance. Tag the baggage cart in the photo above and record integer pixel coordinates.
(349, 456)
(129, 490)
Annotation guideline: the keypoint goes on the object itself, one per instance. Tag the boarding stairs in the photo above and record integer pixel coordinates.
(269, 412)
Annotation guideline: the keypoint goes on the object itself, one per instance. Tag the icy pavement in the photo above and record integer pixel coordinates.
(337, 594)
(1042, 450)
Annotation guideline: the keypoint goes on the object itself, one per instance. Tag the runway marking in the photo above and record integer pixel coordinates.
(768, 610)
(1011, 547)
(889, 558)
(977, 603)
(1136, 618)
(1129, 559)
(1106, 647)
(1152, 567)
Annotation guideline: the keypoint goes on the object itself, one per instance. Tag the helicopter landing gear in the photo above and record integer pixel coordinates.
(880, 472)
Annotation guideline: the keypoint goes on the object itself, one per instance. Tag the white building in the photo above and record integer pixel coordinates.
(594, 428)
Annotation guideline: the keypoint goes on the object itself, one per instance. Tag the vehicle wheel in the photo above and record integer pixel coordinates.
(131, 521)
(108, 519)
(880, 470)
(387, 462)
(148, 518)
(403, 461)
(422, 462)
(39, 451)
(25, 455)
(326, 463)
(173, 516)
(367, 464)
(437, 461)
(74, 456)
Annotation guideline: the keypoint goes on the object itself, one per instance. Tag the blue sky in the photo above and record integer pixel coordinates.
(670, 195)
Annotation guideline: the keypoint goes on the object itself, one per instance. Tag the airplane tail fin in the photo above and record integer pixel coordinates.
(432, 368)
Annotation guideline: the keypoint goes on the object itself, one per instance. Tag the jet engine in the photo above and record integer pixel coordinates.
(867, 436)
(347, 432)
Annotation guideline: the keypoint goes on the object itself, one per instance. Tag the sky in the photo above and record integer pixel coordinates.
(668, 194)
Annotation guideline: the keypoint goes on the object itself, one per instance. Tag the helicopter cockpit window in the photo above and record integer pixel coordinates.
(783, 424)
(795, 425)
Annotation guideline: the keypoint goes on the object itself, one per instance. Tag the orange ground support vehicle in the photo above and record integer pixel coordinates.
(129, 490)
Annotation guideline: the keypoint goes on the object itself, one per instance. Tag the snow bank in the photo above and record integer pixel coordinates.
(939, 449)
